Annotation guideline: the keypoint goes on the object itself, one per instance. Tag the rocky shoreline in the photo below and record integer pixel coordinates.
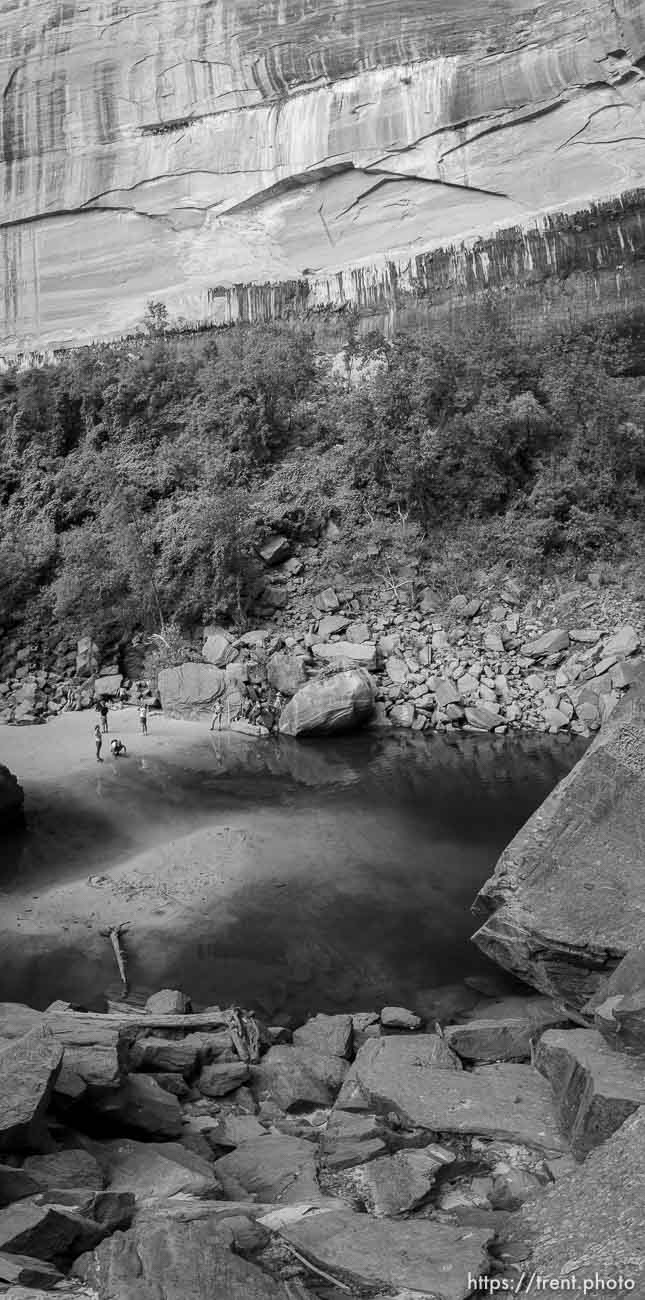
(501, 660)
(166, 1152)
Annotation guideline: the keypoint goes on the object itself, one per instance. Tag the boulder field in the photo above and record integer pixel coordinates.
(498, 659)
(165, 1153)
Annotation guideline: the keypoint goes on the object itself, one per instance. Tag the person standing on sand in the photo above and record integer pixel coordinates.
(217, 717)
(98, 740)
(143, 718)
(103, 710)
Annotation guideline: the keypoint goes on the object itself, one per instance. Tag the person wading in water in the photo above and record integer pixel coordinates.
(143, 718)
(103, 710)
(98, 740)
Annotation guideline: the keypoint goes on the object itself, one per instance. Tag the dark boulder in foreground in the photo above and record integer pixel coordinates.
(12, 800)
(339, 702)
(567, 899)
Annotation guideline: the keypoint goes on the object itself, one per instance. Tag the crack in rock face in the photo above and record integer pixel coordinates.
(159, 148)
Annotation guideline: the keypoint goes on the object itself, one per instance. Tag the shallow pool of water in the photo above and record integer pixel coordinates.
(332, 876)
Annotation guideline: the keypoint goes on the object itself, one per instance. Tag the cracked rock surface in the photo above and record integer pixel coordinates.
(163, 149)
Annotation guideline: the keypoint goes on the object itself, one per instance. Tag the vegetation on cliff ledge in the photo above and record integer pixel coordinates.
(136, 480)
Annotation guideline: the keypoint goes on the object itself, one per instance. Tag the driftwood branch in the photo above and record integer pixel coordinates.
(114, 935)
(320, 1272)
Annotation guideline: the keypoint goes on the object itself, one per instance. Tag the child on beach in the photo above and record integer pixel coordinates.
(117, 747)
(143, 718)
(98, 740)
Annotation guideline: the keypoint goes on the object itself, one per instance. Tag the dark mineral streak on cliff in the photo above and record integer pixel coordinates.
(308, 156)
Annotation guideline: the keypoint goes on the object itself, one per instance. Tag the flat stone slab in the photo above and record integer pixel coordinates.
(495, 1039)
(425, 1257)
(592, 1222)
(596, 1088)
(499, 1101)
(272, 1168)
(567, 899)
(154, 1169)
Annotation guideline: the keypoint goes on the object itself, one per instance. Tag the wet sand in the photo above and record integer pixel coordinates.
(286, 876)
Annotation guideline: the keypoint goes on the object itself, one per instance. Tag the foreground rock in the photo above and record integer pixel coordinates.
(271, 1168)
(47, 1232)
(154, 1169)
(339, 702)
(504, 1031)
(12, 800)
(591, 1222)
(424, 1257)
(28, 1070)
(409, 1077)
(567, 898)
(174, 1260)
(596, 1088)
(296, 1077)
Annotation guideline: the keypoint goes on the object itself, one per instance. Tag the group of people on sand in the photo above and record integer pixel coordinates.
(252, 708)
(117, 747)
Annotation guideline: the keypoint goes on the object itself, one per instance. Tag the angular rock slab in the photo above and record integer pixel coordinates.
(492, 1040)
(28, 1070)
(73, 1168)
(567, 899)
(498, 1101)
(392, 1185)
(26, 1271)
(593, 1221)
(331, 1035)
(173, 1260)
(48, 1232)
(337, 703)
(297, 1076)
(382, 1058)
(423, 1256)
(271, 1168)
(596, 1088)
(154, 1169)
(140, 1104)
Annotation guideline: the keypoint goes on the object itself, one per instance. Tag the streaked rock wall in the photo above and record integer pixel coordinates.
(161, 148)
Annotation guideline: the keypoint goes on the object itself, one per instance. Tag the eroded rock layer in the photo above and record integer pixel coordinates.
(160, 148)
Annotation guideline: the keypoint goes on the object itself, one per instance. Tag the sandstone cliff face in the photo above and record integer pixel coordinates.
(173, 149)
